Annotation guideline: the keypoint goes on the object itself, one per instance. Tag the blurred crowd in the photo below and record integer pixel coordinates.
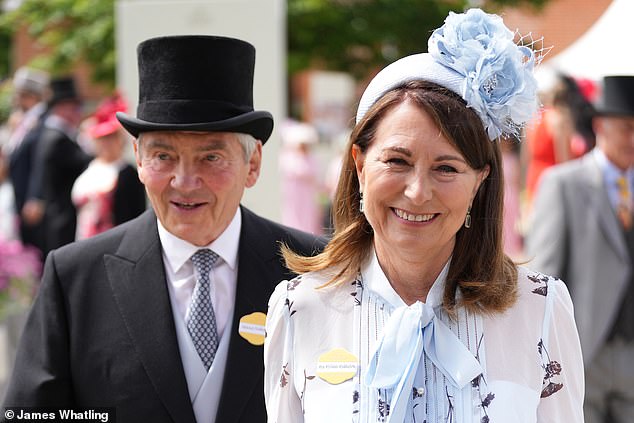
(64, 174)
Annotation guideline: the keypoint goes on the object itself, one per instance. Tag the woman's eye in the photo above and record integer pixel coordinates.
(446, 169)
(396, 161)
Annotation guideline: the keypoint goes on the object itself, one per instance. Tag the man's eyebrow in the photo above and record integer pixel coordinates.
(213, 144)
(158, 143)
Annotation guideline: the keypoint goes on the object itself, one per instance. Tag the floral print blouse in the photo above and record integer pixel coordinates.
(345, 353)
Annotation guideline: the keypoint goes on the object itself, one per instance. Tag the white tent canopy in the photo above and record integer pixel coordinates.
(602, 50)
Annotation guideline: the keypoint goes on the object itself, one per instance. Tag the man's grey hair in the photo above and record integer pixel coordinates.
(248, 143)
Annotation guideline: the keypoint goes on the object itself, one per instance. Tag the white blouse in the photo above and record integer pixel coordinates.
(356, 352)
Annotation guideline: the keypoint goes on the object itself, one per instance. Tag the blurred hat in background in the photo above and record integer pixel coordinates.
(617, 96)
(104, 120)
(294, 133)
(63, 89)
(31, 80)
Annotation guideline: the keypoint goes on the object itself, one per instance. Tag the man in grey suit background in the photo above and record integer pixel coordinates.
(581, 231)
(162, 317)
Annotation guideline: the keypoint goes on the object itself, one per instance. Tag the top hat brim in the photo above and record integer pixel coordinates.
(259, 124)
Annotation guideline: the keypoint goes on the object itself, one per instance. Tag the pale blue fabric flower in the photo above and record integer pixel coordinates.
(498, 74)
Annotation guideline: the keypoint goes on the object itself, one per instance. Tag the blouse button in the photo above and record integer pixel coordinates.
(420, 391)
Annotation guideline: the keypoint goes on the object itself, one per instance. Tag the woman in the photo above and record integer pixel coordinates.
(299, 171)
(413, 313)
(109, 191)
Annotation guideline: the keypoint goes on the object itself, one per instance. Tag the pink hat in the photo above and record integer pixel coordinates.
(105, 120)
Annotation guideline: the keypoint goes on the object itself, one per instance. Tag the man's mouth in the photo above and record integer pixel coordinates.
(187, 206)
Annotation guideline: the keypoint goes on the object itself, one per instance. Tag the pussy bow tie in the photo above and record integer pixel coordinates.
(408, 333)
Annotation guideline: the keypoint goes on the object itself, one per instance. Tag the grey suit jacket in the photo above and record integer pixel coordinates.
(101, 331)
(576, 236)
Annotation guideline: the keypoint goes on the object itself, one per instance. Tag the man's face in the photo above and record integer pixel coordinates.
(195, 180)
(25, 100)
(615, 137)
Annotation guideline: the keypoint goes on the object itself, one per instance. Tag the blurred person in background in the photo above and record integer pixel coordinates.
(300, 176)
(31, 91)
(559, 133)
(581, 231)
(109, 191)
(59, 160)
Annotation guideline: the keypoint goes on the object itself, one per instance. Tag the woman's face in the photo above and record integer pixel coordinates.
(416, 185)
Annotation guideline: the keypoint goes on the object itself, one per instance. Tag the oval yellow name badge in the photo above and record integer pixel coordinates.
(336, 366)
(252, 327)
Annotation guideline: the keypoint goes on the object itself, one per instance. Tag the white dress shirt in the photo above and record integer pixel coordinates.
(179, 270)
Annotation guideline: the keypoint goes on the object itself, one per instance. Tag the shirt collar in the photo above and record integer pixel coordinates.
(609, 170)
(36, 110)
(178, 251)
(376, 281)
(56, 122)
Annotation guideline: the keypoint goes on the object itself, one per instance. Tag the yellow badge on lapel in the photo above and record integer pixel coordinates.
(252, 327)
(336, 366)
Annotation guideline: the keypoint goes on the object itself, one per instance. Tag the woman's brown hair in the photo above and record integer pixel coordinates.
(485, 277)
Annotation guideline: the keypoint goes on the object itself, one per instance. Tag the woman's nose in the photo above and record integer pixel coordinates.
(418, 189)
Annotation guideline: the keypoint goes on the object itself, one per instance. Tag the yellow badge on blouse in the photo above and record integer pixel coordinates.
(252, 327)
(336, 366)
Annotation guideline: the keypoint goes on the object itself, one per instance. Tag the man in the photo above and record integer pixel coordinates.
(122, 319)
(31, 88)
(59, 160)
(582, 232)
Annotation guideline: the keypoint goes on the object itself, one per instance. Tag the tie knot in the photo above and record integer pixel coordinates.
(204, 260)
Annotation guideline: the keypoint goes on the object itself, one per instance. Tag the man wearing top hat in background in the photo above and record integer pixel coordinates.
(58, 161)
(582, 232)
(162, 316)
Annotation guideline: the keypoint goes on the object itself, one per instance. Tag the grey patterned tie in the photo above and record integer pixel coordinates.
(202, 319)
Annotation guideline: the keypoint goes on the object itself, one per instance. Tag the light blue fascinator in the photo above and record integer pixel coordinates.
(474, 55)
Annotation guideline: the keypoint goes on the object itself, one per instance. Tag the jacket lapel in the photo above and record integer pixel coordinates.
(138, 281)
(598, 199)
(257, 274)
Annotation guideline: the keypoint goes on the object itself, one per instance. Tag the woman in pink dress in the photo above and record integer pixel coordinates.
(300, 178)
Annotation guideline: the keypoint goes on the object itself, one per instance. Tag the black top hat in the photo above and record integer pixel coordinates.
(617, 96)
(63, 88)
(197, 83)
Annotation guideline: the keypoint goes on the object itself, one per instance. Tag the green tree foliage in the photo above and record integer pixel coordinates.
(358, 35)
(69, 31)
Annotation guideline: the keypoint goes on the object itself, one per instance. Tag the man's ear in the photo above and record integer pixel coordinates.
(255, 163)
